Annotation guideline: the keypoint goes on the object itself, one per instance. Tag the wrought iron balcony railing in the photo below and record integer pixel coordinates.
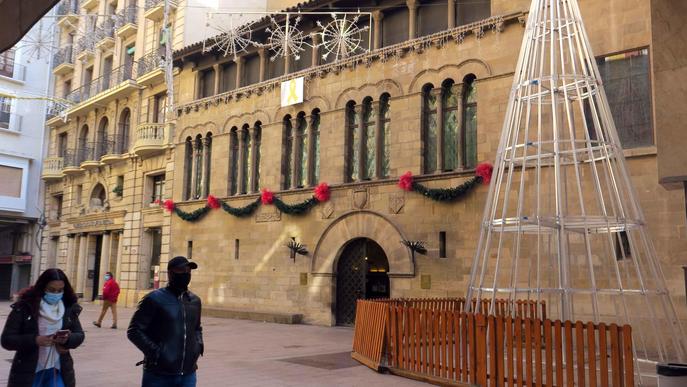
(9, 68)
(63, 56)
(103, 83)
(105, 29)
(157, 3)
(71, 159)
(68, 7)
(126, 16)
(85, 44)
(151, 61)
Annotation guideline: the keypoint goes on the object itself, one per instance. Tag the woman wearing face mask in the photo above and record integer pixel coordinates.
(42, 327)
(110, 295)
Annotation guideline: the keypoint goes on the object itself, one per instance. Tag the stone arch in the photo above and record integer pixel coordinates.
(194, 130)
(98, 196)
(362, 224)
(357, 94)
(457, 72)
(239, 119)
(315, 102)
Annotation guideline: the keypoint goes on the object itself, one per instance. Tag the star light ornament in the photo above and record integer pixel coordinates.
(229, 39)
(39, 44)
(286, 39)
(342, 38)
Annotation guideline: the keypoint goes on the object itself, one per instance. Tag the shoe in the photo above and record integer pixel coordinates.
(114, 326)
(96, 324)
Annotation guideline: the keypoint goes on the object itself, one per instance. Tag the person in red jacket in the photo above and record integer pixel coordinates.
(110, 295)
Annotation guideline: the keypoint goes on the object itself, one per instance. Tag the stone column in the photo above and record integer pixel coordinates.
(242, 137)
(105, 251)
(194, 169)
(118, 270)
(451, 13)
(315, 38)
(377, 17)
(239, 70)
(437, 93)
(361, 143)
(82, 264)
(412, 18)
(69, 266)
(218, 77)
(263, 62)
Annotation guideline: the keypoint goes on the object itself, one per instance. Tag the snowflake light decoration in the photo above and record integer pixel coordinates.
(286, 39)
(342, 37)
(39, 44)
(230, 39)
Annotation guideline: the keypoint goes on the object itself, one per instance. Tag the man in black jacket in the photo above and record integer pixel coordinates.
(166, 328)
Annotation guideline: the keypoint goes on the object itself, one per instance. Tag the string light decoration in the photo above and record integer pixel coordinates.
(286, 39)
(230, 39)
(342, 37)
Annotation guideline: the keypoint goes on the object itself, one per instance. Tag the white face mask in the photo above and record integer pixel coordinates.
(107, 278)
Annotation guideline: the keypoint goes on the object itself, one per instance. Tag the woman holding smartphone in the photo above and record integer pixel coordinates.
(42, 327)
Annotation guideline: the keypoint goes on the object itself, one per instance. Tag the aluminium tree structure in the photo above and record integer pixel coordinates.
(562, 222)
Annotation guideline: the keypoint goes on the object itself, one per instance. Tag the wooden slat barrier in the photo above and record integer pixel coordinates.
(503, 307)
(451, 345)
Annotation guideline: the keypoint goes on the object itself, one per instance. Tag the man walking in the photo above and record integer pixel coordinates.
(166, 328)
(110, 295)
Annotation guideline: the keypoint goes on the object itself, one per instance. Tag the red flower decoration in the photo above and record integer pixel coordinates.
(484, 170)
(157, 201)
(267, 196)
(406, 181)
(213, 202)
(322, 192)
(169, 205)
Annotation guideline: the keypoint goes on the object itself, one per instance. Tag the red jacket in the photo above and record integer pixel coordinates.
(110, 290)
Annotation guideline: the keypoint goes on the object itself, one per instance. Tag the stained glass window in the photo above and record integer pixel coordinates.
(353, 153)
(302, 157)
(245, 162)
(384, 111)
(430, 127)
(198, 163)
(470, 122)
(234, 146)
(368, 136)
(188, 168)
(207, 150)
(450, 125)
(256, 147)
(315, 132)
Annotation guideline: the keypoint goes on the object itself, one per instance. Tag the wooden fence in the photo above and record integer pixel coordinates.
(452, 346)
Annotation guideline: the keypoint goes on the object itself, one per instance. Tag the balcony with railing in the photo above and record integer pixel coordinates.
(103, 89)
(71, 163)
(85, 46)
(154, 9)
(88, 4)
(151, 67)
(63, 61)
(9, 68)
(89, 155)
(150, 139)
(126, 22)
(52, 168)
(116, 149)
(104, 34)
(68, 12)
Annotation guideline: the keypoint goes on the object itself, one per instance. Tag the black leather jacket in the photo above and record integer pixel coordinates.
(166, 328)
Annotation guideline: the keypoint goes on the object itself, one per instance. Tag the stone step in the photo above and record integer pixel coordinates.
(273, 317)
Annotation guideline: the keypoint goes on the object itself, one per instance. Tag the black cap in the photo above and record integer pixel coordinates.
(180, 262)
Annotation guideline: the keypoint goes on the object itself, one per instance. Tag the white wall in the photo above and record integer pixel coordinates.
(195, 28)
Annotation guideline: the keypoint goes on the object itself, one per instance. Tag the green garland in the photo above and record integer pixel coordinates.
(193, 215)
(447, 194)
(295, 209)
(240, 211)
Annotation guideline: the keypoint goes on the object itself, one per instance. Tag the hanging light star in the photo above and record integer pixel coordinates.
(39, 43)
(342, 37)
(286, 39)
(229, 39)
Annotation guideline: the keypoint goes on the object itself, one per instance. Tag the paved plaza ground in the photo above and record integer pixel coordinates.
(237, 353)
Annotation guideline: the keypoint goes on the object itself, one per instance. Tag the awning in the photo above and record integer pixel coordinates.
(18, 16)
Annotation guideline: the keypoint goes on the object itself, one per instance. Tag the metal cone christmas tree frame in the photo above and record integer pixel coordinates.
(562, 223)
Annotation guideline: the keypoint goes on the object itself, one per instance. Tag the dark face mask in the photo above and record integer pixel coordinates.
(179, 280)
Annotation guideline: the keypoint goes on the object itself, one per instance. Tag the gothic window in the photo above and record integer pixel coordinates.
(352, 143)
(429, 123)
(469, 122)
(287, 170)
(245, 158)
(257, 138)
(188, 167)
(234, 160)
(207, 162)
(198, 166)
(367, 137)
(450, 102)
(315, 147)
(385, 133)
(300, 157)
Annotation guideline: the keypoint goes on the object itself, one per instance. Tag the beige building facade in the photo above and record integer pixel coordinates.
(429, 98)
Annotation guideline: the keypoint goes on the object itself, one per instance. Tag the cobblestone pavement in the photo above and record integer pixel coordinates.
(237, 353)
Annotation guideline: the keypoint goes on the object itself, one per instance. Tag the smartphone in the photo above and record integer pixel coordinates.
(62, 333)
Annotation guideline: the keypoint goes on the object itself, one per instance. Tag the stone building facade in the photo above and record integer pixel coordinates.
(426, 69)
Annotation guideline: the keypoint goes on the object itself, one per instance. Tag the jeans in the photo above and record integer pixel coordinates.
(151, 379)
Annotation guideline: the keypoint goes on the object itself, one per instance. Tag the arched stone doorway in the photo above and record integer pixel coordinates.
(361, 272)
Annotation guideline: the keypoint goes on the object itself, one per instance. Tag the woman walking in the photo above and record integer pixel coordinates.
(42, 327)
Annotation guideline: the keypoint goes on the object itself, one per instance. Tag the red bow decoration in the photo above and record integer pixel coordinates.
(484, 170)
(213, 202)
(406, 181)
(169, 205)
(322, 192)
(267, 197)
